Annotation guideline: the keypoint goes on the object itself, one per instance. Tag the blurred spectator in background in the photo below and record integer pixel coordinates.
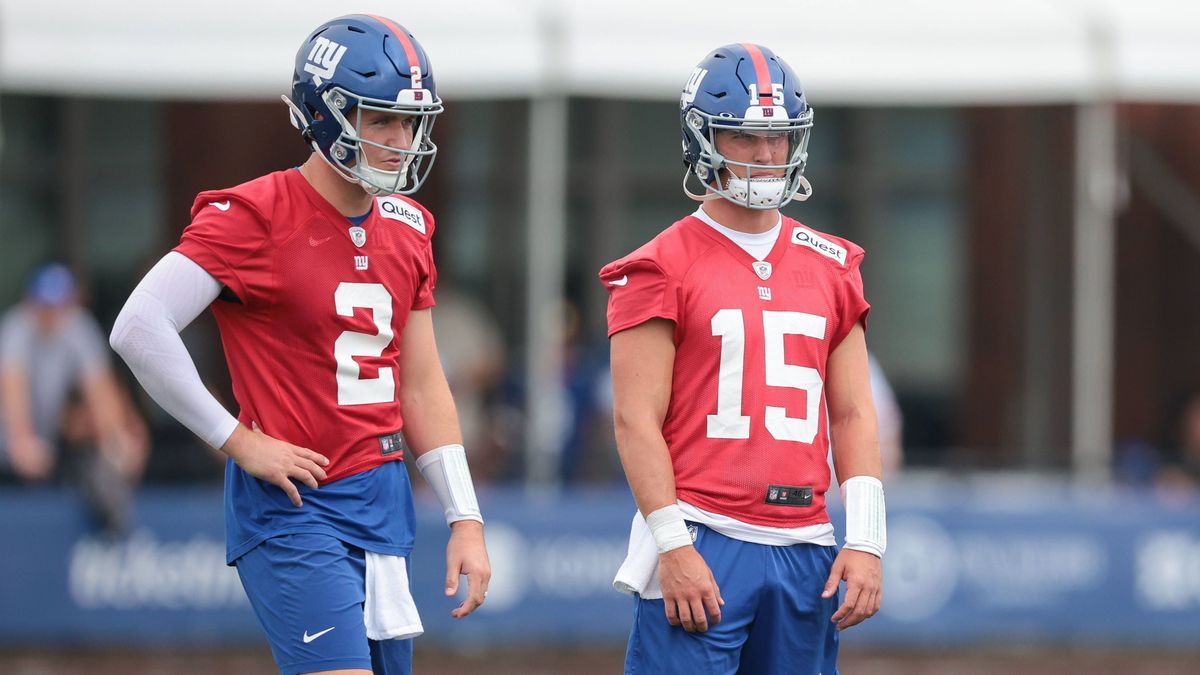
(588, 447)
(889, 419)
(63, 415)
(1181, 462)
(472, 352)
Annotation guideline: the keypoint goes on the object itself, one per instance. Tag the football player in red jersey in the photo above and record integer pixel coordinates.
(739, 359)
(321, 279)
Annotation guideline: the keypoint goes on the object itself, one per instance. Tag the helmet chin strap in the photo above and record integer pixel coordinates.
(708, 196)
(802, 182)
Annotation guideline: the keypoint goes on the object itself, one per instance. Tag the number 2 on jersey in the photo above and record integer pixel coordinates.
(352, 390)
(729, 422)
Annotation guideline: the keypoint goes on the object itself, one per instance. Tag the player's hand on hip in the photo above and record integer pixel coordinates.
(466, 554)
(863, 573)
(275, 461)
(691, 597)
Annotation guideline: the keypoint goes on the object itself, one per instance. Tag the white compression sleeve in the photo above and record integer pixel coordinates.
(445, 469)
(146, 334)
(866, 514)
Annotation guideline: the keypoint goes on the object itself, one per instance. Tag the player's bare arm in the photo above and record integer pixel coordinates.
(642, 363)
(855, 454)
(431, 427)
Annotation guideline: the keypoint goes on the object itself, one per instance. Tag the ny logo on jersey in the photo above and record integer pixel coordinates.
(323, 59)
(360, 262)
(692, 86)
(764, 293)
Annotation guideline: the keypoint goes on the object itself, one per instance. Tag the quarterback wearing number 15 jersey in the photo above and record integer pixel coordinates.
(752, 339)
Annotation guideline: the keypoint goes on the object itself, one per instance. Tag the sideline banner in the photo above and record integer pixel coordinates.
(965, 563)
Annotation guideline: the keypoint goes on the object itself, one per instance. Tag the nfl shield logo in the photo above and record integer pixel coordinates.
(763, 269)
(773, 493)
(358, 235)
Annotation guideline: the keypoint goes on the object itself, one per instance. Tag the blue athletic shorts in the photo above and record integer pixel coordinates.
(774, 619)
(308, 591)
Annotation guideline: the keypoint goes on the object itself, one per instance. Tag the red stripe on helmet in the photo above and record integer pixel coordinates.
(761, 72)
(410, 52)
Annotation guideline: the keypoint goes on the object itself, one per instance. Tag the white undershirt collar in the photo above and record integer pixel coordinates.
(758, 245)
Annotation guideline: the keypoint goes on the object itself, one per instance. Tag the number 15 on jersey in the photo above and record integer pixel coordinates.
(729, 422)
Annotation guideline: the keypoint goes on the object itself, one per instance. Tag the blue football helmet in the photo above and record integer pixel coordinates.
(745, 88)
(364, 62)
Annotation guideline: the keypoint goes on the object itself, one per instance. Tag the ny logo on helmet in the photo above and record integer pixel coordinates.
(323, 59)
(692, 86)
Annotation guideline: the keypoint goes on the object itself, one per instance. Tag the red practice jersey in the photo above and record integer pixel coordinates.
(312, 337)
(746, 426)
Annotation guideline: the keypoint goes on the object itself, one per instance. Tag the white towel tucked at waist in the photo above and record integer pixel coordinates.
(389, 610)
(639, 573)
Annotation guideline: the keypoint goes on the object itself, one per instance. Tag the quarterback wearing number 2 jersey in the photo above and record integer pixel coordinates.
(752, 341)
(316, 304)
(313, 305)
(321, 279)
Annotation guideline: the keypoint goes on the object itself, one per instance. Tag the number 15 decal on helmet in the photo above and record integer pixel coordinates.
(745, 89)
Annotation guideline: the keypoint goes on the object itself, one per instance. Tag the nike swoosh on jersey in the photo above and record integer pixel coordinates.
(620, 282)
(317, 242)
(221, 206)
(309, 638)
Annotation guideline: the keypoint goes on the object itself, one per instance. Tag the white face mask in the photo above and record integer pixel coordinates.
(349, 159)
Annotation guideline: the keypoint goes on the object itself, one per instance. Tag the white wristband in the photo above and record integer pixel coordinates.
(668, 528)
(446, 471)
(866, 514)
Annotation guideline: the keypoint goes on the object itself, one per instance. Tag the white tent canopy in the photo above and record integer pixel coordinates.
(855, 51)
(858, 52)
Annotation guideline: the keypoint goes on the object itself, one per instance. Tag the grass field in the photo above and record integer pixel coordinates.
(1050, 661)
